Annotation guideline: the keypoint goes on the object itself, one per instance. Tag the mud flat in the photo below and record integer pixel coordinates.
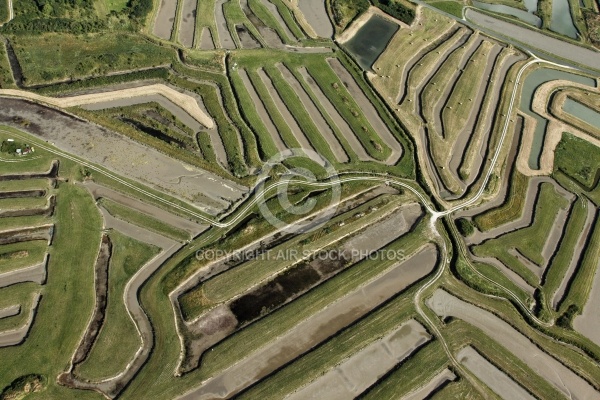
(165, 18)
(17, 336)
(315, 115)
(537, 40)
(368, 110)
(99, 191)
(285, 113)
(340, 122)
(209, 192)
(206, 40)
(494, 378)
(356, 374)
(435, 384)
(317, 328)
(187, 25)
(35, 273)
(546, 366)
(577, 254)
(262, 111)
(10, 311)
(225, 38)
(588, 323)
(316, 15)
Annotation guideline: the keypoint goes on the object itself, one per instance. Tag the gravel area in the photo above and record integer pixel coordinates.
(362, 370)
(546, 366)
(494, 378)
(316, 328)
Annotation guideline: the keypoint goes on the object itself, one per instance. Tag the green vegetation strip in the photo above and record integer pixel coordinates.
(512, 207)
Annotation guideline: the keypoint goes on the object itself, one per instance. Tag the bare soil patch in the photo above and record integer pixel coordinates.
(316, 15)
(123, 156)
(206, 40)
(22, 193)
(434, 385)
(224, 36)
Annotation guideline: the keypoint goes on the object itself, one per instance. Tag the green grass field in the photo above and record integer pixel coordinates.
(118, 339)
(451, 7)
(568, 160)
(82, 56)
(528, 241)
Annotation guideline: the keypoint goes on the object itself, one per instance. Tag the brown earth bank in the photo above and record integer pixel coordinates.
(19, 194)
(26, 234)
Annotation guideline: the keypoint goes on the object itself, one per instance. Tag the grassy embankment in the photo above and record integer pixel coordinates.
(118, 339)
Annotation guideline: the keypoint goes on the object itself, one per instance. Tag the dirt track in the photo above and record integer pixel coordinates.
(316, 328)
(357, 373)
(546, 366)
(494, 378)
(17, 336)
(35, 273)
